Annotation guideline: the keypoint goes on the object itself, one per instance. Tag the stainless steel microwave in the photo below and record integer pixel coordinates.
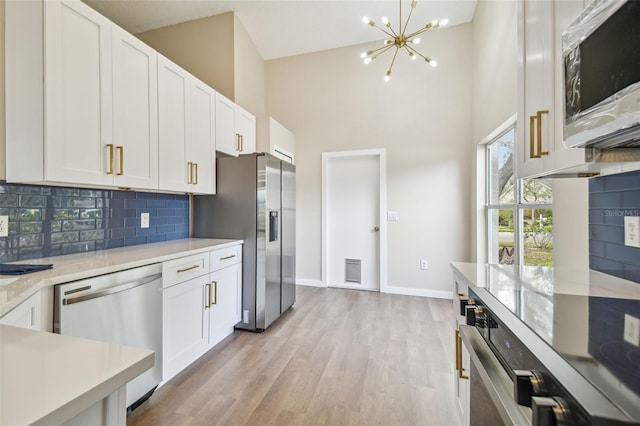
(601, 55)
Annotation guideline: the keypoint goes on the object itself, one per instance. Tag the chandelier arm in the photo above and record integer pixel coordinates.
(393, 60)
(420, 31)
(408, 18)
(386, 32)
(382, 50)
(426, 58)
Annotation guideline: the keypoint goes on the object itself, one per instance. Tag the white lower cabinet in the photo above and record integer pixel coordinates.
(28, 314)
(185, 329)
(200, 311)
(226, 302)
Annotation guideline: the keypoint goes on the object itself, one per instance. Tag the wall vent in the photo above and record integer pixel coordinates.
(353, 271)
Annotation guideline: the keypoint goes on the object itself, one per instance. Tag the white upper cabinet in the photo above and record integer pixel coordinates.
(187, 130)
(235, 128)
(85, 111)
(541, 150)
(135, 111)
(275, 139)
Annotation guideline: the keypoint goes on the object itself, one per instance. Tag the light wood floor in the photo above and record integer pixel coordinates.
(338, 357)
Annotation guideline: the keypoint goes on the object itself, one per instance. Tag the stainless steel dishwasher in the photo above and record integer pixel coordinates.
(124, 308)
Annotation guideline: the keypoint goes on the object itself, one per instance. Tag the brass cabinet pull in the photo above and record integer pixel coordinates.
(195, 173)
(111, 165)
(188, 269)
(460, 368)
(215, 292)
(189, 172)
(121, 149)
(539, 116)
(241, 143)
(207, 299)
(228, 257)
(237, 141)
(535, 125)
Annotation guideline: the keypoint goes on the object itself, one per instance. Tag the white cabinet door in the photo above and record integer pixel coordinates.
(28, 314)
(135, 112)
(201, 148)
(226, 138)
(536, 108)
(226, 289)
(246, 129)
(185, 334)
(78, 101)
(174, 125)
(462, 386)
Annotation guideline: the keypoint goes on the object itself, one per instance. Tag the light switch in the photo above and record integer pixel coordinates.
(632, 231)
(144, 220)
(391, 216)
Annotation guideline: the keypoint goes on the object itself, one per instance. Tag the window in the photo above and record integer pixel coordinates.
(519, 213)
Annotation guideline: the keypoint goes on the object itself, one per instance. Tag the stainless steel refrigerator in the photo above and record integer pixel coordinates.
(255, 201)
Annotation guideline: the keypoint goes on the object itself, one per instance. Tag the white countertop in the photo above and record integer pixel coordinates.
(47, 378)
(547, 280)
(16, 289)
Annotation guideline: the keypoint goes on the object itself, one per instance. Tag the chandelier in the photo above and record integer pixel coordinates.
(400, 39)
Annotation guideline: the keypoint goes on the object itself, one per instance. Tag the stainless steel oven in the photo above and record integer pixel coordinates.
(523, 379)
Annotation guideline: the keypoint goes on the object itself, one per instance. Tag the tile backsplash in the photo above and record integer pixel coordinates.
(611, 198)
(50, 221)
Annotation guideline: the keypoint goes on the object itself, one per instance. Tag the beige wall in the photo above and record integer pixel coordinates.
(204, 47)
(248, 72)
(332, 102)
(3, 173)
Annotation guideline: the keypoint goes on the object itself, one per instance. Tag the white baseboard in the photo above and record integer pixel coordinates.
(310, 283)
(406, 291)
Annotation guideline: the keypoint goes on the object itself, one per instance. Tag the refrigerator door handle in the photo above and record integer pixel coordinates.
(273, 226)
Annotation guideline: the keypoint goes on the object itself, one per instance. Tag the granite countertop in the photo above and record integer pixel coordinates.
(548, 280)
(48, 378)
(16, 289)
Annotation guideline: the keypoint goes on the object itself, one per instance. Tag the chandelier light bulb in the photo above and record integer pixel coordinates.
(385, 20)
(412, 55)
(365, 20)
(367, 60)
(434, 22)
(433, 63)
(387, 77)
(416, 40)
(363, 55)
(443, 22)
(387, 42)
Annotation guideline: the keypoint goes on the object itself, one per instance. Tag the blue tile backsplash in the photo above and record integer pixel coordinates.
(50, 221)
(611, 198)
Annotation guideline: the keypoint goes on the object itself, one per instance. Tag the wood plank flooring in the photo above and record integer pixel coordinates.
(338, 357)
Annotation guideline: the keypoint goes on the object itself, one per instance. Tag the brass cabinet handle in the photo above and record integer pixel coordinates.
(189, 172)
(241, 143)
(207, 291)
(539, 116)
(459, 366)
(237, 141)
(195, 173)
(188, 269)
(121, 149)
(215, 292)
(228, 257)
(111, 165)
(535, 126)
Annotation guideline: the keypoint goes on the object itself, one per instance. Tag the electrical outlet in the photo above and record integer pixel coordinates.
(144, 220)
(424, 265)
(632, 231)
(632, 329)
(4, 226)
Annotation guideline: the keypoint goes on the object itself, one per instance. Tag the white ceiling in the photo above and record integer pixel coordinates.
(281, 28)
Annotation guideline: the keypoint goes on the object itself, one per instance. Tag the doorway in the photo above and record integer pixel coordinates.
(353, 227)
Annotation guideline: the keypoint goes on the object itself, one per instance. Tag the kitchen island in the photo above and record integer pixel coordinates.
(52, 379)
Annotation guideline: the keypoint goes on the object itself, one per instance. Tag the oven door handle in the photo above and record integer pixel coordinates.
(495, 379)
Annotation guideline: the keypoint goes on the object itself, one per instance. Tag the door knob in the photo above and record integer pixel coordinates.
(376, 228)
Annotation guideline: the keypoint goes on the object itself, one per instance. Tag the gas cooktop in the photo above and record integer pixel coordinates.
(599, 336)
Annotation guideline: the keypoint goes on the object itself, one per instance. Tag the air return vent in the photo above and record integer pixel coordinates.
(353, 271)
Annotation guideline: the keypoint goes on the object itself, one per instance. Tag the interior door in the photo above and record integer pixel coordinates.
(353, 221)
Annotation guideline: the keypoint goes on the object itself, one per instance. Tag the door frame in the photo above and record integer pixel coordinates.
(381, 155)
